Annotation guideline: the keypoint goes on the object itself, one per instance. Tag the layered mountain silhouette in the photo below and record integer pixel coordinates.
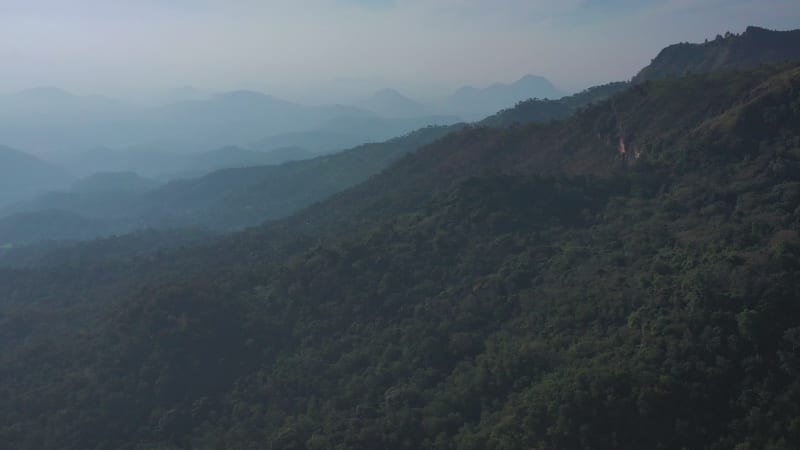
(166, 164)
(223, 200)
(246, 199)
(53, 120)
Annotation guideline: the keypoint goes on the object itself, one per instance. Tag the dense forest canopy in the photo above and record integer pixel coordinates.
(623, 277)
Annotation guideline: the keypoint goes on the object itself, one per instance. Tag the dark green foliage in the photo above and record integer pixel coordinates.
(527, 288)
(125, 247)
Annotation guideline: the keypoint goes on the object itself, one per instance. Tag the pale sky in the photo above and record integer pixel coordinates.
(121, 46)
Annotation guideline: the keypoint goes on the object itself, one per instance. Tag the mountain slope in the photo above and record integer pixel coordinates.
(498, 289)
(754, 47)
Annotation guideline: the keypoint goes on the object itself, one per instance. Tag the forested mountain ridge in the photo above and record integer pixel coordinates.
(650, 120)
(625, 278)
(750, 49)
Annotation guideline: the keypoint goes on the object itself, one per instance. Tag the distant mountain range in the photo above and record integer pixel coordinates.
(54, 121)
(468, 102)
(126, 182)
(51, 120)
(222, 200)
(165, 164)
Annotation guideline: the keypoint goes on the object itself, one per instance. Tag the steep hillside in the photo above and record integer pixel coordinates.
(625, 278)
(754, 47)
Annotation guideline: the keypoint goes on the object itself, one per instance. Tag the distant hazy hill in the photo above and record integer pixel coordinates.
(391, 103)
(236, 118)
(50, 118)
(114, 182)
(48, 102)
(23, 175)
(315, 142)
(350, 131)
(236, 157)
(752, 48)
(480, 102)
(163, 163)
(55, 120)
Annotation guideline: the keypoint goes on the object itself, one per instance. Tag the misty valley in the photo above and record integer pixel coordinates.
(498, 265)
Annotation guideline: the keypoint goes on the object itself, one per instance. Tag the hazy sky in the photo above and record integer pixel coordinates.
(119, 46)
